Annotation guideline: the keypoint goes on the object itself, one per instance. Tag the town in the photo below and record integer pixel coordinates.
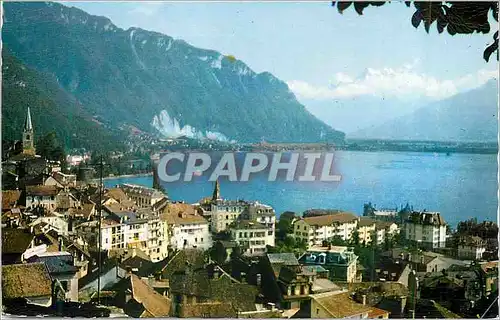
(71, 247)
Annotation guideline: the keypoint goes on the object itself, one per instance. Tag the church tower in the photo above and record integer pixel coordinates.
(216, 194)
(28, 136)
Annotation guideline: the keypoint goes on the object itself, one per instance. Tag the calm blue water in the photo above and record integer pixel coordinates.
(461, 186)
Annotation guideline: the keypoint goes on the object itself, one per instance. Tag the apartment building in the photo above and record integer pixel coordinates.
(370, 229)
(253, 237)
(317, 229)
(185, 227)
(427, 229)
(141, 229)
(471, 247)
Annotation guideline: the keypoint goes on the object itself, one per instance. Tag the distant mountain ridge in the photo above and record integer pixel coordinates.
(155, 83)
(470, 116)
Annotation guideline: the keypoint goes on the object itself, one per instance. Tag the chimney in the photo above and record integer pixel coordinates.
(364, 299)
(216, 273)
(403, 304)
(61, 244)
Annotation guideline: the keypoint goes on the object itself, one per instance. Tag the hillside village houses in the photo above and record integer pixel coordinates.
(154, 259)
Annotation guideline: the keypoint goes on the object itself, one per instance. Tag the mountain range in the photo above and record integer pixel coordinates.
(82, 75)
(470, 116)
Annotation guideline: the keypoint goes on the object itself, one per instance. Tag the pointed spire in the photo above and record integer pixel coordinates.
(156, 178)
(27, 125)
(216, 194)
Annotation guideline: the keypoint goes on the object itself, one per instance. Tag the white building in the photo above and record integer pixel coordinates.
(472, 248)
(186, 229)
(55, 222)
(428, 229)
(252, 237)
(141, 230)
(41, 196)
(317, 229)
(222, 213)
(368, 228)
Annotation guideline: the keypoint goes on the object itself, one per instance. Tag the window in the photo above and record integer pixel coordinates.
(269, 233)
(201, 240)
(305, 228)
(136, 236)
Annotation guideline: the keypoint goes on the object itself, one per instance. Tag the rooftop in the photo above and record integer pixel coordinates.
(25, 281)
(427, 218)
(245, 224)
(154, 303)
(366, 222)
(182, 213)
(340, 305)
(56, 262)
(326, 220)
(41, 191)
(10, 198)
(15, 241)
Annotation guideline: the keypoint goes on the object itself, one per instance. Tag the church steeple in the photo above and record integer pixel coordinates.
(216, 194)
(28, 136)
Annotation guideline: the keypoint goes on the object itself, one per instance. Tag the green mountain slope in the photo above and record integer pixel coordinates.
(52, 109)
(155, 83)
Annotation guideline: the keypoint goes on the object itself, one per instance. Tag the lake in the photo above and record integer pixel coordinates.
(460, 186)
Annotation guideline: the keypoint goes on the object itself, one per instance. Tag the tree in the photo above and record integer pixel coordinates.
(218, 253)
(284, 225)
(50, 148)
(464, 17)
(355, 238)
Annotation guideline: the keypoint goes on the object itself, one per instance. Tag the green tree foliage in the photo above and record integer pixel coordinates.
(466, 17)
(284, 225)
(289, 244)
(355, 238)
(218, 253)
(49, 147)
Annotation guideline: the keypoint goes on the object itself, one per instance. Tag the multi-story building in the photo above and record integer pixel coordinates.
(142, 196)
(41, 196)
(53, 221)
(253, 237)
(222, 213)
(341, 262)
(471, 247)
(427, 229)
(370, 229)
(317, 229)
(366, 230)
(186, 229)
(142, 230)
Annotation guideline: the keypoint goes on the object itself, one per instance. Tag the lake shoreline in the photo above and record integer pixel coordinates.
(124, 176)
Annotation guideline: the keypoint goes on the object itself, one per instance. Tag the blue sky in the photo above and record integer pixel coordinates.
(322, 55)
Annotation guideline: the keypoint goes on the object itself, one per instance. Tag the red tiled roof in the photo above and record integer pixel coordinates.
(9, 199)
(41, 190)
(154, 303)
(342, 217)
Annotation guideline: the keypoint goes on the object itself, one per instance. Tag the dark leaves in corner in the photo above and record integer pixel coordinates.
(491, 48)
